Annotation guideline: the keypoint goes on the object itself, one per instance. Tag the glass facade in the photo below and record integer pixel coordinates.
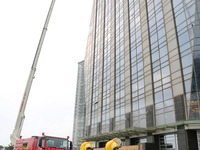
(79, 111)
(95, 90)
(187, 26)
(142, 65)
(119, 67)
(106, 68)
(137, 72)
(88, 73)
(163, 97)
(195, 90)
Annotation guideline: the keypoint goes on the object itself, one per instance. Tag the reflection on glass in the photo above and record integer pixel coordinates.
(158, 97)
(156, 76)
(56, 143)
(167, 93)
(187, 60)
(168, 103)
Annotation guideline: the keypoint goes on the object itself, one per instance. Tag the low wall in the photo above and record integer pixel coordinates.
(75, 148)
(134, 147)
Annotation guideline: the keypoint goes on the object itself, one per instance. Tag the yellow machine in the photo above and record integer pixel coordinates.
(113, 144)
(86, 146)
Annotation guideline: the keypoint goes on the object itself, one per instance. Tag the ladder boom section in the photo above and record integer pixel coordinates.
(21, 116)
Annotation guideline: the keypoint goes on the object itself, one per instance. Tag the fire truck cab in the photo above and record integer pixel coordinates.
(43, 143)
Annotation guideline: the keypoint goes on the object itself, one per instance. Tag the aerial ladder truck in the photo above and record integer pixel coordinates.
(21, 116)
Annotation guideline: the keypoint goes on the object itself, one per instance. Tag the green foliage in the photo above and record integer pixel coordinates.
(9, 147)
(1, 147)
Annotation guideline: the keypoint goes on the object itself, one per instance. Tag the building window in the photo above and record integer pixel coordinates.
(168, 142)
(24, 146)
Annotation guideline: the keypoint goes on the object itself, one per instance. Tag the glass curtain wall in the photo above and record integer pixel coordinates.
(79, 110)
(195, 91)
(106, 68)
(88, 73)
(188, 39)
(163, 97)
(96, 69)
(137, 73)
(119, 65)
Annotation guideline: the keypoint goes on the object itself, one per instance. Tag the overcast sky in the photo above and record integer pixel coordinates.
(50, 106)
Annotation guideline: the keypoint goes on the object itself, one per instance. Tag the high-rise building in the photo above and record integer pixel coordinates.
(79, 109)
(142, 73)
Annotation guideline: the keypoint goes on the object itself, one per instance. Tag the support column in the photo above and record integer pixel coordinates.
(127, 141)
(187, 139)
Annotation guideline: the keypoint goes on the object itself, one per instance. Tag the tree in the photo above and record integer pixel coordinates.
(1, 147)
(9, 147)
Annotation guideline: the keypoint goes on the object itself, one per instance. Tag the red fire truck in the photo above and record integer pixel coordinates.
(43, 143)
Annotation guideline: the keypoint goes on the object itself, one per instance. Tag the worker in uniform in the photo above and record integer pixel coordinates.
(86, 146)
(113, 144)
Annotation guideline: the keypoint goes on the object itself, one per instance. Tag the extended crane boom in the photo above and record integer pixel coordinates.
(20, 118)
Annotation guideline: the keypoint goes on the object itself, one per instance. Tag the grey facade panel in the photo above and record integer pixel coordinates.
(179, 108)
(88, 131)
(111, 125)
(128, 120)
(99, 128)
(149, 116)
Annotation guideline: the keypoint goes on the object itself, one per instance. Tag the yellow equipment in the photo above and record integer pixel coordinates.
(86, 146)
(113, 144)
